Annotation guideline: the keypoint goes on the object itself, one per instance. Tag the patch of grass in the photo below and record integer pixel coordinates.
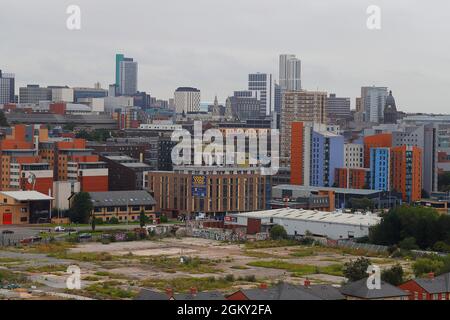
(91, 278)
(8, 277)
(10, 260)
(304, 252)
(259, 254)
(110, 275)
(84, 256)
(185, 283)
(191, 265)
(47, 248)
(333, 270)
(47, 268)
(109, 290)
(299, 269)
(270, 244)
(279, 264)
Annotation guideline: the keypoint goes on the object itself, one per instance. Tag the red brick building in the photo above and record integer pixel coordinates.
(430, 288)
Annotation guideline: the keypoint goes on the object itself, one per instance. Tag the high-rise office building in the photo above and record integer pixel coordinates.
(32, 93)
(373, 101)
(300, 106)
(277, 99)
(187, 99)
(337, 108)
(262, 84)
(290, 73)
(126, 75)
(7, 88)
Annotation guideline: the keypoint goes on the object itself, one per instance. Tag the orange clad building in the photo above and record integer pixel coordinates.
(297, 137)
(353, 178)
(383, 140)
(406, 172)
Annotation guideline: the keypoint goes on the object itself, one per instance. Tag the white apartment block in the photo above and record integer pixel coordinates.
(353, 155)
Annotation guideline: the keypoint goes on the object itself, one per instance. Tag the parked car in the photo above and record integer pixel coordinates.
(85, 236)
(60, 229)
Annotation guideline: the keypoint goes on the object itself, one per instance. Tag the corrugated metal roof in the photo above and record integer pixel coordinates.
(314, 216)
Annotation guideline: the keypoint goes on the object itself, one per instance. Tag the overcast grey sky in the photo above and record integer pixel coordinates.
(214, 44)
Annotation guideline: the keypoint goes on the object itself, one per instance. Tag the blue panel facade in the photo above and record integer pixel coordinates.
(379, 168)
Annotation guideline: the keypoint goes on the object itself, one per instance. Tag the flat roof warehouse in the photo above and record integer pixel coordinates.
(366, 220)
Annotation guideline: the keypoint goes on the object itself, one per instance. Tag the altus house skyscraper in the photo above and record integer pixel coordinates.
(290, 73)
(126, 75)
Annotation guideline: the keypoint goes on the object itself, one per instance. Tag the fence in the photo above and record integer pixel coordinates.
(359, 246)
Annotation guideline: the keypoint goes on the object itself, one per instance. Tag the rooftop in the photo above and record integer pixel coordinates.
(121, 198)
(26, 195)
(359, 289)
(336, 190)
(314, 216)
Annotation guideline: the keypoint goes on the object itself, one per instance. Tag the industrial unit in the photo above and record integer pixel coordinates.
(298, 222)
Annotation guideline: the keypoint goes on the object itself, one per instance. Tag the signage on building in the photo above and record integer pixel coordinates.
(198, 186)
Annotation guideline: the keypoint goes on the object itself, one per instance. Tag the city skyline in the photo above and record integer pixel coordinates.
(160, 38)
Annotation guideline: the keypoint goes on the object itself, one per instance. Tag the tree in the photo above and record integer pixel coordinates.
(3, 120)
(356, 270)
(143, 219)
(408, 244)
(278, 232)
(393, 275)
(81, 209)
(444, 182)
(364, 203)
(400, 224)
(424, 266)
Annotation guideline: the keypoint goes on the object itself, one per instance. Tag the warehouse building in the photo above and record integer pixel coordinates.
(298, 222)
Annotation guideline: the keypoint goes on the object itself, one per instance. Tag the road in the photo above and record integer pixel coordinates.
(27, 231)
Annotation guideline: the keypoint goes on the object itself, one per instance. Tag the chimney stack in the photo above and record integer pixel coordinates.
(193, 291)
(263, 286)
(431, 275)
(169, 292)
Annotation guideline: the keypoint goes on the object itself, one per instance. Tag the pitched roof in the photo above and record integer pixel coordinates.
(121, 198)
(435, 285)
(209, 295)
(148, 294)
(285, 291)
(359, 289)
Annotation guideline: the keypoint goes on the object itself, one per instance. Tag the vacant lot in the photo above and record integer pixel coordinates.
(118, 270)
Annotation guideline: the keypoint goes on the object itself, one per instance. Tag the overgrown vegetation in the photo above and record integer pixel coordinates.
(109, 290)
(191, 265)
(270, 244)
(356, 269)
(184, 284)
(299, 269)
(431, 263)
(412, 228)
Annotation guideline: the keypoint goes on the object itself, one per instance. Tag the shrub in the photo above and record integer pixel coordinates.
(113, 220)
(278, 233)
